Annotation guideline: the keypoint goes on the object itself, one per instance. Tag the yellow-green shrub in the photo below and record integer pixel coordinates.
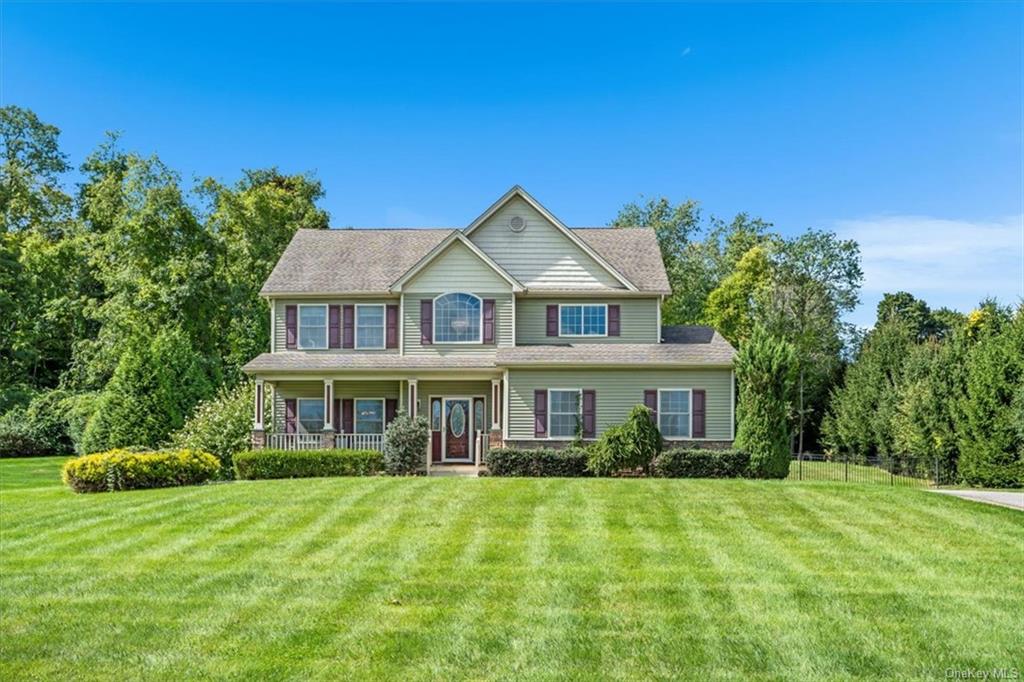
(121, 469)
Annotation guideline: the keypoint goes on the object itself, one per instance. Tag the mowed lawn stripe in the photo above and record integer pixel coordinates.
(498, 578)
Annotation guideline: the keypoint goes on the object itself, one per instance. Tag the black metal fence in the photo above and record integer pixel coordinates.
(895, 470)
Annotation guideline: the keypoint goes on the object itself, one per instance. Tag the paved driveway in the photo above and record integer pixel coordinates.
(1003, 498)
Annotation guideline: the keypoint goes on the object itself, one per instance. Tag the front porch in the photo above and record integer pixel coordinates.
(464, 416)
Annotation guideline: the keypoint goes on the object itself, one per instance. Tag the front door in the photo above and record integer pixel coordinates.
(456, 418)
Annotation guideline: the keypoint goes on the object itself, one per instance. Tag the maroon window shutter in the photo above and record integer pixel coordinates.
(540, 414)
(289, 415)
(346, 415)
(552, 320)
(334, 326)
(390, 410)
(613, 320)
(336, 420)
(392, 327)
(291, 326)
(426, 322)
(651, 401)
(348, 336)
(699, 397)
(589, 413)
(488, 320)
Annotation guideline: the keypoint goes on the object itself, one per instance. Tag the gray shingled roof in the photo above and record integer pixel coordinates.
(350, 261)
(633, 251)
(305, 361)
(618, 354)
(369, 261)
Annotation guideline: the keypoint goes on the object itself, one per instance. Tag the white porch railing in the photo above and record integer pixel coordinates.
(359, 441)
(294, 441)
(315, 441)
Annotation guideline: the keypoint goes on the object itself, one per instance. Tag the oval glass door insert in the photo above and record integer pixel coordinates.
(457, 420)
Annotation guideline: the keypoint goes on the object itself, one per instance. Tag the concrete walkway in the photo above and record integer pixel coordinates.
(1004, 498)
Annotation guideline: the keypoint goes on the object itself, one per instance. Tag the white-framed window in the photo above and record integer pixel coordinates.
(312, 327)
(565, 412)
(588, 319)
(675, 413)
(311, 415)
(458, 318)
(369, 415)
(369, 326)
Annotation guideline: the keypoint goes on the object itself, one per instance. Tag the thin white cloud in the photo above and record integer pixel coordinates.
(953, 263)
(686, 51)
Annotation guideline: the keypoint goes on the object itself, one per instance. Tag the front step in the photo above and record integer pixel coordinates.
(455, 469)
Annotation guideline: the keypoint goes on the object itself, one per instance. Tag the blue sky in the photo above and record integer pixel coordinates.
(897, 124)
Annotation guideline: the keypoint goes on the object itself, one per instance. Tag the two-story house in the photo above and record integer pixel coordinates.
(515, 330)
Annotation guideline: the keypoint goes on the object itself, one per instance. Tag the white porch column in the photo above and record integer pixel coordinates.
(328, 404)
(412, 398)
(257, 418)
(495, 404)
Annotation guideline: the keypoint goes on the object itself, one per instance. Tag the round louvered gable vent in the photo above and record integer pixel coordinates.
(517, 223)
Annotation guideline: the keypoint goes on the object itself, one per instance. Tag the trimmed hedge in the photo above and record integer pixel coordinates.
(702, 463)
(269, 463)
(125, 470)
(570, 462)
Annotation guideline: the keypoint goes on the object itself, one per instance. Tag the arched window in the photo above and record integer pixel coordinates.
(457, 319)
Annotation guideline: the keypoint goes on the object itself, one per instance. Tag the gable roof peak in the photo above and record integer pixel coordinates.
(518, 191)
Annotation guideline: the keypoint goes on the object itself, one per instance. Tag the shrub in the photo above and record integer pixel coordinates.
(152, 391)
(405, 444)
(608, 454)
(643, 439)
(260, 464)
(569, 462)
(126, 470)
(701, 463)
(764, 371)
(41, 428)
(221, 425)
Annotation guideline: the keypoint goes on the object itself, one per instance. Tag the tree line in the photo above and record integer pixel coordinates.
(130, 299)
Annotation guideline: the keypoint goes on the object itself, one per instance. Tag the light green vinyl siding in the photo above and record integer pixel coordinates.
(638, 321)
(458, 269)
(502, 327)
(616, 392)
(281, 339)
(456, 389)
(541, 255)
(342, 389)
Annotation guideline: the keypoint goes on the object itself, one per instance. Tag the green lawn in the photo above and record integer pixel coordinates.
(498, 578)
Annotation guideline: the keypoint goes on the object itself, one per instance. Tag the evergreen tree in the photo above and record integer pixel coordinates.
(765, 371)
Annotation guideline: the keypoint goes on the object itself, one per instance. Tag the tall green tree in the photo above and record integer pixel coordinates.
(252, 223)
(730, 306)
(816, 279)
(765, 370)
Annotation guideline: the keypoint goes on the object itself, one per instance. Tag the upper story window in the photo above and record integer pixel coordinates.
(674, 412)
(312, 327)
(583, 320)
(457, 319)
(369, 326)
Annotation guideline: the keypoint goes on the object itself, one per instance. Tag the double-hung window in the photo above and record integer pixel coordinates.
(674, 412)
(369, 415)
(565, 416)
(311, 415)
(369, 326)
(312, 327)
(583, 320)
